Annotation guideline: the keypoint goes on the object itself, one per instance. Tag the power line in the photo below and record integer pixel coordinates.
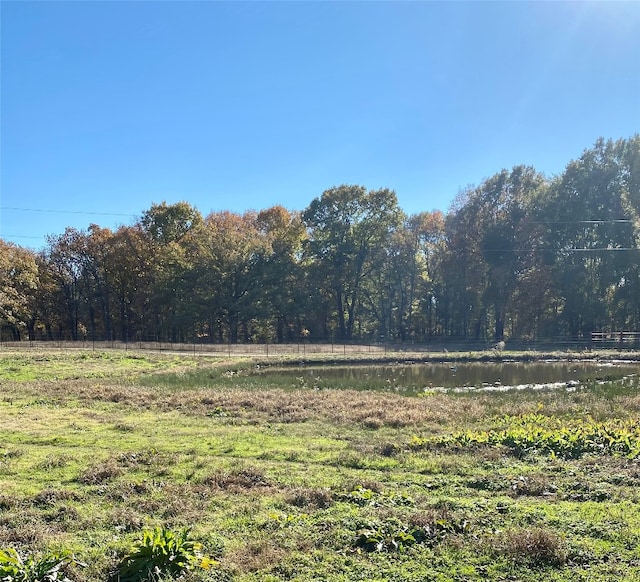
(22, 236)
(612, 221)
(50, 211)
(559, 251)
(86, 212)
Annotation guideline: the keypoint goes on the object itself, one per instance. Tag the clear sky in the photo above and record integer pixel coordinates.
(108, 107)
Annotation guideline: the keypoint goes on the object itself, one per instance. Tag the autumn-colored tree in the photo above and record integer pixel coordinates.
(18, 282)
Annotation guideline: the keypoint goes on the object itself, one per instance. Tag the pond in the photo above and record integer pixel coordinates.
(468, 376)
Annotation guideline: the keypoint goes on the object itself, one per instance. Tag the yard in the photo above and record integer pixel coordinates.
(282, 480)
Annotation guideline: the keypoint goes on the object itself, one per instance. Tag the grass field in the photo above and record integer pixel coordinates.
(279, 481)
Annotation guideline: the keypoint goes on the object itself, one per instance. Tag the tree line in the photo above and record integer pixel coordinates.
(518, 256)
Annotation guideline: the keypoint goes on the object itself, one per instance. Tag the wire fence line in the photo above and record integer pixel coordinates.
(337, 348)
(201, 348)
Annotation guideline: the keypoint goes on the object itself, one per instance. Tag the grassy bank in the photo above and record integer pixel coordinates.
(283, 482)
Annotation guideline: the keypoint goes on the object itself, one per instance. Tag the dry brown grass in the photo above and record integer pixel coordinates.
(537, 547)
(533, 485)
(25, 528)
(244, 478)
(50, 496)
(101, 473)
(309, 498)
(368, 409)
(256, 555)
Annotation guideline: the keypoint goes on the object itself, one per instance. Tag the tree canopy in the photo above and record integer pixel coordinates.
(520, 255)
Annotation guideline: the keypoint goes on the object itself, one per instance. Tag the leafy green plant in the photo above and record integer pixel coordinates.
(385, 538)
(536, 433)
(162, 551)
(287, 519)
(29, 568)
(393, 536)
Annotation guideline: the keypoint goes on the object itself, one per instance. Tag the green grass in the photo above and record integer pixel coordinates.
(284, 482)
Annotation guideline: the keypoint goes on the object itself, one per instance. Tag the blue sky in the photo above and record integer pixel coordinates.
(108, 107)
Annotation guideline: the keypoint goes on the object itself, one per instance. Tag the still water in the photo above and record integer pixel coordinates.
(415, 378)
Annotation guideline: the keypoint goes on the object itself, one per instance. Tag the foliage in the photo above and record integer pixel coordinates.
(350, 229)
(392, 536)
(162, 551)
(15, 567)
(536, 433)
(18, 283)
(518, 256)
(385, 538)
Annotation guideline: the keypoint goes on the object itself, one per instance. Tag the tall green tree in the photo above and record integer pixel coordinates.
(169, 223)
(490, 238)
(225, 280)
(592, 212)
(283, 285)
(169, 230)
(350, 228)
(401, 295)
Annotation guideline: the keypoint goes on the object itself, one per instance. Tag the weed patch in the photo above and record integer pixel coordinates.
(535, 547)
(427, 528)
(162, 553)
(245, 478)
(101, 473)
(309, 498)
(536, 433)
(16, 567)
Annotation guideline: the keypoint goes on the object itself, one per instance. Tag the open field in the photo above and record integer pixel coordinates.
(283, 482)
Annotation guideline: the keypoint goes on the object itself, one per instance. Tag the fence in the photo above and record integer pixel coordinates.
(599, 340)
(267, 350)
(614, 339)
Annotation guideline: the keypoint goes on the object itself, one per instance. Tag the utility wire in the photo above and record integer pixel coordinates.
(611, 221)
(591, 221)
(22, 236)
(50, 211)
(577, 250)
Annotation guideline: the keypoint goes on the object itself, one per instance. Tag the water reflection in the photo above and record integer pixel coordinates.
(416, 378)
